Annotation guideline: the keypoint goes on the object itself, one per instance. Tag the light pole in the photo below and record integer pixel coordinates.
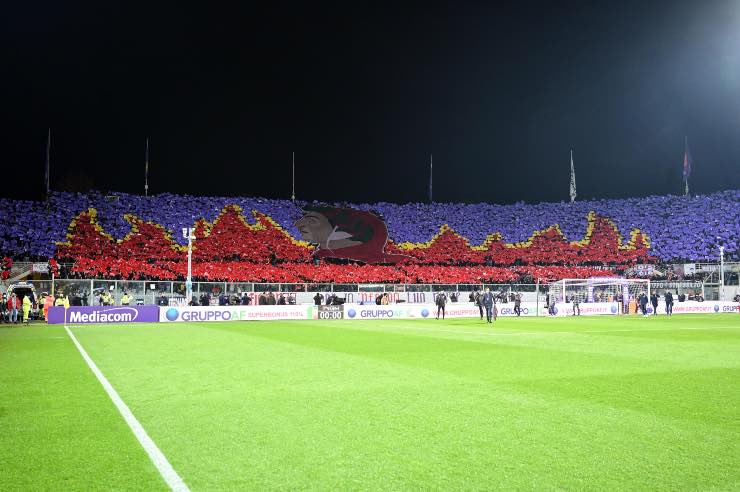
(721, 273)
(188, 233)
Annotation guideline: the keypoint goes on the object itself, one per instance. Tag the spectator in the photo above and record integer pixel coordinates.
(13, 306)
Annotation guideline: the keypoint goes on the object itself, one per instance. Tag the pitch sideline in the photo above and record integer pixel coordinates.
(160, 461)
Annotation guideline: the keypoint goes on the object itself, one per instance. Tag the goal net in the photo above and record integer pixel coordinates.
(598, 289)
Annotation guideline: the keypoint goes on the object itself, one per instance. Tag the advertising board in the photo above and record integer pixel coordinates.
(87, 315)
(587, 309)
(179, 314)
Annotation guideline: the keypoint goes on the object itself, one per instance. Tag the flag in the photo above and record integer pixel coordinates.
(572, 179)
(431, 160)
(687, 161)
(48, 153)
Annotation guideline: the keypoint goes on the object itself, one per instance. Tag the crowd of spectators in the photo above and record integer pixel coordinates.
(134, 237)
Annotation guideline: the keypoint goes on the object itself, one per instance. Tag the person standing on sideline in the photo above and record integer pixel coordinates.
(26, 308)
(550, 305)
(576, 305)
(478, 302)
(441, 302)
(518, 304)
(668, 303)
(13, 306)
(654, 302)
(48, 302)
(125, 299)
(643, 299)
(487, 301)
(62, 300)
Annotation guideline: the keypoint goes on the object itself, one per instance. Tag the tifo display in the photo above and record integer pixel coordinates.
(278, 241)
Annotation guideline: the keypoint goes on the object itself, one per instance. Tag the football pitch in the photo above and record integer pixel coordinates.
(597, 403)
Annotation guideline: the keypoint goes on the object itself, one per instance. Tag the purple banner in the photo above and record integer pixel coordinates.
(88, 315)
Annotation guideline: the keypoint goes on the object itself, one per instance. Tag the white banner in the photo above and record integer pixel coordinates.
(587, 308)
(40, 268)
(428, 310)
(172, 314)
(691, 307)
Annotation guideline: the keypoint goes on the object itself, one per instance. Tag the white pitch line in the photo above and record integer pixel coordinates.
(158, 458)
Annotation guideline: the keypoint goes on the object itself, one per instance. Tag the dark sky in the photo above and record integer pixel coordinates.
(363, 92)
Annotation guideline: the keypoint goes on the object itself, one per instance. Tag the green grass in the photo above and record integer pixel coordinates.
(626, 403)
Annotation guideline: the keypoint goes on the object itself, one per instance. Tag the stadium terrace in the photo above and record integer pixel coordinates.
(254, 239)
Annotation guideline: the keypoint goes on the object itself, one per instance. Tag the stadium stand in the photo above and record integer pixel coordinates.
(253, 239)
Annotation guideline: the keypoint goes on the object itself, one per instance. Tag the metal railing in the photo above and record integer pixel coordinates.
(149, 292)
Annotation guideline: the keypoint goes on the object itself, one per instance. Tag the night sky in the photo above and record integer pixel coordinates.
(363, 92)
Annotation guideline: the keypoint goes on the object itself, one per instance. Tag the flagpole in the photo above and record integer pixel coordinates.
(146, 169)
(685, 160)
(48, 159)
(292, 195)
(431, 173)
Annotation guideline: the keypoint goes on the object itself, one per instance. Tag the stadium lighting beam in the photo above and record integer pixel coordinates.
(188, 233)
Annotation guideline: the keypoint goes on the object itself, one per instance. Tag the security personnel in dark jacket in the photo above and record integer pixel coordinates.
(668, 303)
(477, 299)
(441, 302)
(518, 304)
(643, 300)
(487, 301)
